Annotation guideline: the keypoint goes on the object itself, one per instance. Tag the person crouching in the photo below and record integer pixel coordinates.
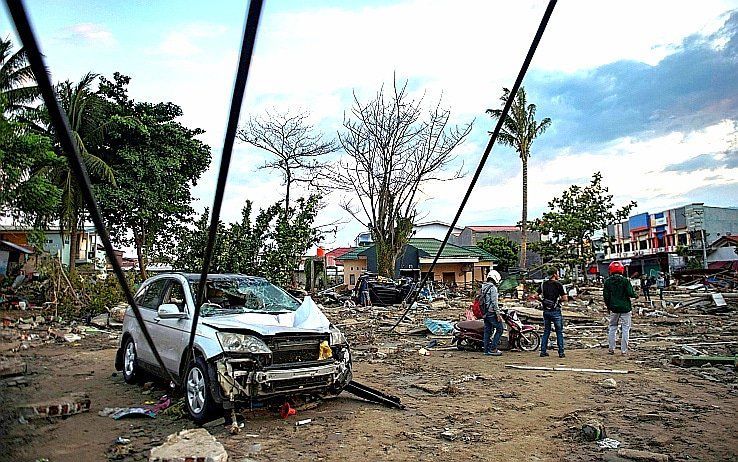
(488, 299)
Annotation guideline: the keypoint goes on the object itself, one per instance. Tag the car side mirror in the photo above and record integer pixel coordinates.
(170, 311)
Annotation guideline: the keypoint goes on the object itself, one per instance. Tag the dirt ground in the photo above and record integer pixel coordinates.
(461, 405)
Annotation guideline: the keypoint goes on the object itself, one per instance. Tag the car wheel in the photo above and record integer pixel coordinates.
(131, 371)
(199, 402)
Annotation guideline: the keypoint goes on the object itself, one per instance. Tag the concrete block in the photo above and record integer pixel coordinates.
(195, 445)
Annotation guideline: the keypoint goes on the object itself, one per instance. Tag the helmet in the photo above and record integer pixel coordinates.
(616, 268)
(494, 276)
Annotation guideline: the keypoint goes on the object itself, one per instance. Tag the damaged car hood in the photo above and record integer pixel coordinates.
(307, 318)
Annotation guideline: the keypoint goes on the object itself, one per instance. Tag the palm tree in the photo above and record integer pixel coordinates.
(84, 110)
(18, 86)
(519, 129)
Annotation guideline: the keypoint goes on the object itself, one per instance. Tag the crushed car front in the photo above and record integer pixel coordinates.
(269, 344)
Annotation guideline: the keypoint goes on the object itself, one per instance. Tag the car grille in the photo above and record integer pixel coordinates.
(286, 350)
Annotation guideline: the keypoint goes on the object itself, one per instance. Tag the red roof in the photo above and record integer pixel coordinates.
(487, 229)
(330, 257)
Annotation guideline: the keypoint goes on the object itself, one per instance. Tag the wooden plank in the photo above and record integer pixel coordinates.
(689, 361)
(568, 369)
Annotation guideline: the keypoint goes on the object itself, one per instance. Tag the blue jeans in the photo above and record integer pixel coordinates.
(491, 322)
(551, 316)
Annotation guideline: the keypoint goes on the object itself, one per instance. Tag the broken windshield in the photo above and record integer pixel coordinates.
(244, 295)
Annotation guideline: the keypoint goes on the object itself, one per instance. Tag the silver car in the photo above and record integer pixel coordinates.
(255, 343)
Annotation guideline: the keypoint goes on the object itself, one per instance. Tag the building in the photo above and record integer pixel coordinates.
(723, 253)
(648, 243)
(456, 265)
(57, 245)
(13, 257)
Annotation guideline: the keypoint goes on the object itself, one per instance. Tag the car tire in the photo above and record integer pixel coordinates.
(131, 371)
(198, 400)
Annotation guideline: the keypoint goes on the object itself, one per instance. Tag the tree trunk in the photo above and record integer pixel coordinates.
(138, 239)
(524, 221)
(386, 258)
(73, 244)
(287, 194)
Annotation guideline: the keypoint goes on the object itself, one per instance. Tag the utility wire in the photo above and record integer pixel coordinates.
(487, 150)
(239, 88)
(60, 122)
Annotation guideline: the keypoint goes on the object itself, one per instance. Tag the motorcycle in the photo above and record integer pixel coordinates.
(469, 335)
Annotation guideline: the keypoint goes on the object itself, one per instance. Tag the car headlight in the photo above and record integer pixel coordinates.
(240, 343)
(337, 337)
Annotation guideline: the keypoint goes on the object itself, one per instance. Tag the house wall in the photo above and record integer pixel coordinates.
(352, 269)
(723, 254)
(719, 222)
(459, 269)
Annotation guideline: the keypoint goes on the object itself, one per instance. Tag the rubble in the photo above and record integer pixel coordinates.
(61, 407)
(189, 445)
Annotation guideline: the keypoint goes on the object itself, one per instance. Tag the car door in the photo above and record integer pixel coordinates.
(170, 334)
(149, 301)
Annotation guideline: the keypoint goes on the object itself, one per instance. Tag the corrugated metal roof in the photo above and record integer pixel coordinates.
(17, 247)
(487, 229)
(429, 248)
(481, 253)
(354, 253)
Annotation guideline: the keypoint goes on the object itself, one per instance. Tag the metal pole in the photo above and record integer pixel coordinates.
(704, 248)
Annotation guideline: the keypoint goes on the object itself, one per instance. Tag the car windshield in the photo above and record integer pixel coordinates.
(244, 295)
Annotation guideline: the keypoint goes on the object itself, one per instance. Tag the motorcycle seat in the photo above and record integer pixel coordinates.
(476, 325)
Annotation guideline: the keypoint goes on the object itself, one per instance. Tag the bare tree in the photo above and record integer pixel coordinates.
(295, 144)
(394, 146)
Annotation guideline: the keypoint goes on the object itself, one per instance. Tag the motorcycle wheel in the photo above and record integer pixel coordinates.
(529, 341)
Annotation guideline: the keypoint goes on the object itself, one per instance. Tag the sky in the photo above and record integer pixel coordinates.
(644, 92)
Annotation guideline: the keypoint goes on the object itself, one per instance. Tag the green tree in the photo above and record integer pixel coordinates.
(17, 82)
(519, 129)
(24, 193)
(504, 249)
(84, 110)
(573, 219)
(156, 161)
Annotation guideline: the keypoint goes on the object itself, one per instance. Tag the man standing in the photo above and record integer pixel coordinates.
(364, 297)
(617, 292)
(661, 284)
(488, 299)
(645, 286)
(552, 293)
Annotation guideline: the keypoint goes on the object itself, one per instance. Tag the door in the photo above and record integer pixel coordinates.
(449, 278)
(148, 300)
(170, 335)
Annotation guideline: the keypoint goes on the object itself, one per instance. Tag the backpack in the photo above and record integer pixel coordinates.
(477, 308)
(482, 304)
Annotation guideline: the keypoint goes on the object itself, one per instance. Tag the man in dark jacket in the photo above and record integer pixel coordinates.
(552, 293)
(617, 292)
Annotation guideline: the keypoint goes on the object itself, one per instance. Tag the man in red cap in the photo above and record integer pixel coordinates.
(617, 292)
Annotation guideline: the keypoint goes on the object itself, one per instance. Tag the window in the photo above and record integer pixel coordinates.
(352, 279)
(150, 299)
(175, 294)
(626, 247)
(642, 245)
(682, 239)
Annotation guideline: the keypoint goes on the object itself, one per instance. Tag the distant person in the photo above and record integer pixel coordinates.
(489, 302)
(646, 286)
(364, 297)
(617, 292)
(551, 293)
(660, 285)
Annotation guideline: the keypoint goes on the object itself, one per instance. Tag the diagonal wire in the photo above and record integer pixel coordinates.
(239, 88)
(60, 123)
(487, 150)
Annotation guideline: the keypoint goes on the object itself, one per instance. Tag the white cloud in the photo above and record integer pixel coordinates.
(88, 34)
(186, 41)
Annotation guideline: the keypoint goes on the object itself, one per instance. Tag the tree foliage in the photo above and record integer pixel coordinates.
(157, 161)
(18, 87)
(504, 249)
(269, 245)
(574, 217)
(26, 195)
(394, 147)
(519, 129)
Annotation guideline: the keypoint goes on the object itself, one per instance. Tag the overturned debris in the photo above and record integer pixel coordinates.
(61, 407)
(375, 396)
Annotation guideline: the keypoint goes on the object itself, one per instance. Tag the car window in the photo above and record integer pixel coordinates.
(175, 294)
(153, 294)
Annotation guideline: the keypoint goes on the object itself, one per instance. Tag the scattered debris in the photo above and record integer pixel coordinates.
(609, 383)
(568, 369)
(593, 431)
(690, 361)
(608, 443)
(303, 422)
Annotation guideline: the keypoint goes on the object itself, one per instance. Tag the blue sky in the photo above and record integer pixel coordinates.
(649, 99)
